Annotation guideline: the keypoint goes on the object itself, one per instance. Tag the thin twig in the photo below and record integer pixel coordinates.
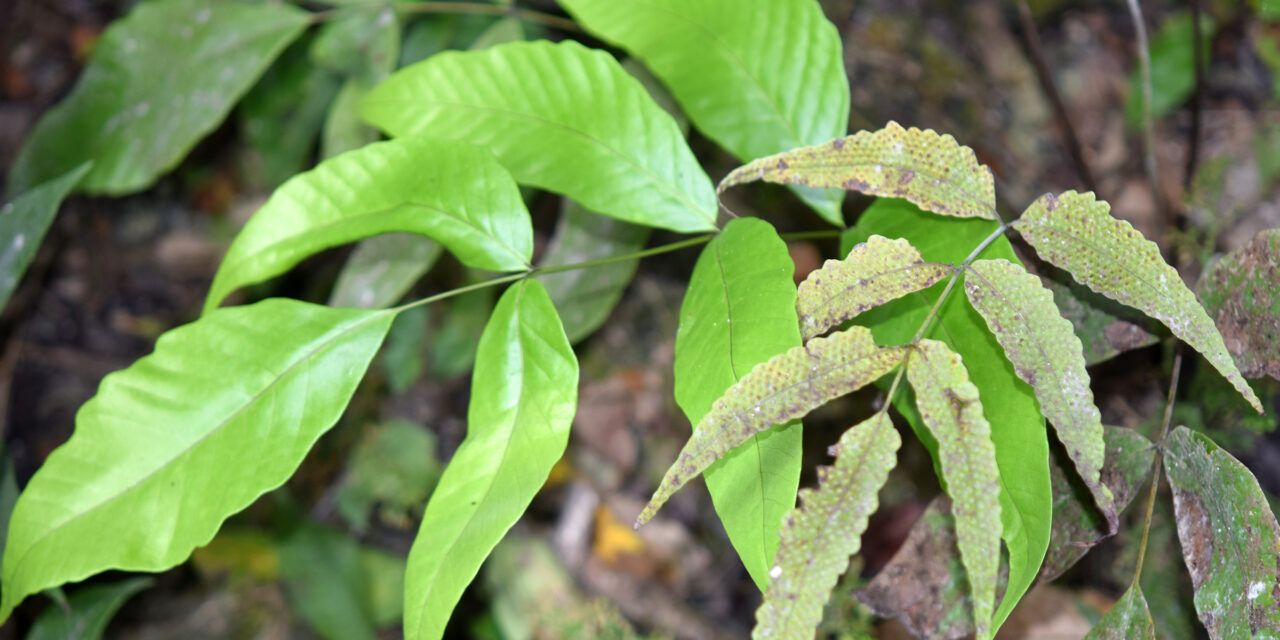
(1197, 96)
(1148, 127)
(1031, 38)
(1155, 477)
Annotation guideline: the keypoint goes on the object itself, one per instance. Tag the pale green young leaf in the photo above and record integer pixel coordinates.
(23, 224)
(222, 412)
(787, 386)
(1017, 427)
(585, 297)
(561, 117)
(875, 272)
(951, 409)
(89, 611)
(819, 536)
(158, 81)
(1128, 619)
(930, 170)
(740, 310)
(450, 191)
(1230, 539)
(1076, 232)
(770, 74)
(1047, 355)
(382, 269)
(523, 396)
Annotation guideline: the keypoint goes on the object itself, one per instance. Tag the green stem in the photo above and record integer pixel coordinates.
(1155, 477)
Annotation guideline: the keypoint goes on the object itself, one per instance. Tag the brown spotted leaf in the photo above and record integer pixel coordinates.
(930, 170)
(1239, 291)
(787, 386)
(1230, 539)
(874, 272)
(1076, 232)
(1128, 619)
(950, 407)
(1099, 321)
(819, 536)
(1047, 355)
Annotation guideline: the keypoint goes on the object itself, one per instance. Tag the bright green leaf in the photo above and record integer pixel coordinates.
(382, 269)
(157, 82)
(740, 311)
(585, 297)
(452, 192)
(523, 396)
(23, 224)
(874, 272)
(787, 386)
(769, 75)
(343, 590)
(561, 117)
(1047, 355)
(1128, 619)
(89, 611)
(1018, 429)
(223, 411)
(1230, 539)
(1076, 232)
(930, 170)
(1239, 292)
(819, 536)
(950, 407)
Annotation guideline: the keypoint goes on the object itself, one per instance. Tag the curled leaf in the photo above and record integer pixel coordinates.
(923, 167)
(950, 407)
(1076, 232)
(819, 536)
(874, 272)
(788, 385)
(1047, 355)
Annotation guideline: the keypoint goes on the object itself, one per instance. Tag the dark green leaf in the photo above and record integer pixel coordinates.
(393, 469)
(89, 611)
(1128, 619)
(363, 43)
(23, 224)
(343, 130)
(157, 82)
(1239, 293)
(1098, 321)
(1173, 74)
(222, 412)
(382, 269)
(343, 591)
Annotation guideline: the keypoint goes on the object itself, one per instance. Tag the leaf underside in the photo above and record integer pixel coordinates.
(1230, 539)
(787, 386)
(874, 272)
(1047, 355)
(585, 128)
(950, 408)
(222, 412)
(819, 536)
(1128, 619)
(1076, 232)
(929, 170)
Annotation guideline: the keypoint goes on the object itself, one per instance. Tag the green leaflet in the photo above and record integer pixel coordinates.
(523, 396)
(1173, 73)
(1076, 232)
(23, 224)
(1047, 355)
(223, 411)
(1017, 427)
(819, 536)
(787, 386)
(740, 311)
(1230, 540)
(382, 269)
(453, 192)
(89, 611)
(1128, 619)
(1239, 292)
(586, 128)
(343, 590)
(343, 130)
(950, 407)
(585, 297)
(157, 82)
(874, 272)
(770, 74)
(922, 167)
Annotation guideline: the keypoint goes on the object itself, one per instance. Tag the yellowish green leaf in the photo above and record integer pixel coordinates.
(949, 406)
(819, 536)
(1076, 232)
(930, 170)
(788, 385)
(1047, 355)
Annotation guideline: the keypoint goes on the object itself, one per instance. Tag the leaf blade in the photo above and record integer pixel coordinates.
(1076, 232)
(160, 433)
(467, 202)
(524, 393)
(596, 137)
(929, 170)
(738, 312)
(1238, 292)
(1128, 618)
(23, 224)
(151, 90)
